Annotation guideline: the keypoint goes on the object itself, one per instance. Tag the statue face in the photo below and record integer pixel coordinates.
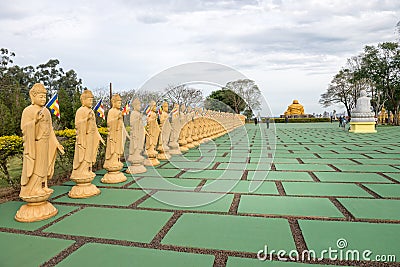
(88, 102)
(39, 99)
(117, 104)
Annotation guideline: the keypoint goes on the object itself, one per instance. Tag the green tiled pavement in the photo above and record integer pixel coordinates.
(240, 262)
(131, 225)
(303, 167)
(166, 183)
(350, 177)
(115, 197)
(256, 187)
(236, 233)
(385, 190)
(324, 189)
(274, 175)
(189, 201)
(98, 255)
(283, 205)
(24, 250)
(9, 209)
(381, 239)
(201, 216)
(373, 208)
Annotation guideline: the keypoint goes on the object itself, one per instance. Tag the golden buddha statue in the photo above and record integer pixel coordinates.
(294, 109)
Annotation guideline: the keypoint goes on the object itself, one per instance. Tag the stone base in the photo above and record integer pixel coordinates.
(163, 156)
(190, 145)
(33, 212)
(135, 169)
(175, 151)
(151, 162)
(113, 178)
(183, 148)
(84, 190)
(362, 127)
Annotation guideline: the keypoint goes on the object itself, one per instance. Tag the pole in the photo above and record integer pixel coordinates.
(110, 92)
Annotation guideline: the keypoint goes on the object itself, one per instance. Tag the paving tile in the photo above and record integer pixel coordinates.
(9, 209)
(241, 186)
(275, 175)
(123, 224)
(286, 205)
(166, 183)
(303, 167)
(240, 262)
(161, 172)
(59, 190)
(115, 197)
(24, 250)
(341, 156)
(324, 189)
(328, 161)
(237, 233)
(350, 177)
(189, 201)
(381, 239)
(386, 209)
(395, 176)
(108, 255)
(245, 166)
(384, 156)
(366, 168)
(213, 174)
(385, 190)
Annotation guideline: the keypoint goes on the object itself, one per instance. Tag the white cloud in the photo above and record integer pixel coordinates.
(291, 48)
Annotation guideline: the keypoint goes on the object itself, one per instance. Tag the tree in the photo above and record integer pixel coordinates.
(225, 100)
(246, 90)
(183, 95)
(340, 90)
(382, 65)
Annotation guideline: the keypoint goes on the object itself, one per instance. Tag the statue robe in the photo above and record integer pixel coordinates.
(40, 144)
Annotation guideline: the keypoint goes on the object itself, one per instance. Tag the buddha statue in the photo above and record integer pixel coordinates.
(40, 147)
(294, 109)
(86, 146)
(115, 143)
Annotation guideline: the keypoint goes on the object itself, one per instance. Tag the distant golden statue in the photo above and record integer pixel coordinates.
(86, 145)
(153, 132)
(294, 109)
(115, 143)
(40, 147)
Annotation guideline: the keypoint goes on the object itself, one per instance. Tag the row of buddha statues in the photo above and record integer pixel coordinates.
(163, 135)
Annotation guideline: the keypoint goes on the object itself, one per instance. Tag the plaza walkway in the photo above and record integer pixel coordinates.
(314, 188)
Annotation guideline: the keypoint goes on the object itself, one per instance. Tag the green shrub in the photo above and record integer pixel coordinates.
(10, 146)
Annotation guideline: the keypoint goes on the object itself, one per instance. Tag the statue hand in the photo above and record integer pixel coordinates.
(61, 149)
(102, 141)
(39, 115)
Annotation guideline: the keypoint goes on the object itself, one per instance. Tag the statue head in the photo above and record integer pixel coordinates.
(38, 94)
(153, 105)
(183, 108)
(136, 104)
(295, 101)
(165, 107)
(116, 101)
(87, 98)
(363, 93)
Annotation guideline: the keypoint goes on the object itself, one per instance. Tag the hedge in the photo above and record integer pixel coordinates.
(12, 146)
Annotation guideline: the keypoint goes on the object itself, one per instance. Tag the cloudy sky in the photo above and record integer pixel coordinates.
(290, 48)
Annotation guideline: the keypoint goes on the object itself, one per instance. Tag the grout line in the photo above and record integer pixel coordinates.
(220, 259)
(280, 188)
(297, 235)
(235, 204)
(142, 199)
(374, 194)
(388, 177)
(163, 232)
(314, 177)
(200, 185)
(342, 209)
(64, 254)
